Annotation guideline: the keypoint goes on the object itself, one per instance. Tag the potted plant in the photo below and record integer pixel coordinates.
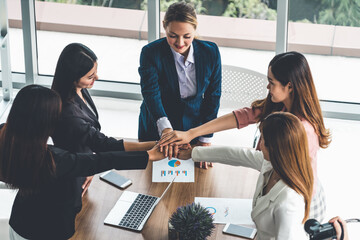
(190, 222)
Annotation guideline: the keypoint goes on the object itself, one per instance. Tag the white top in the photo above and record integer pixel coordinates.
(186, 73)
(278, 214)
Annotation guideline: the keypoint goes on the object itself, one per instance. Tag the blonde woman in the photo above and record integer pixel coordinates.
(180, 79)
(282, 198)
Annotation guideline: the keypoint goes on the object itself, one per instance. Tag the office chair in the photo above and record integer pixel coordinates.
(240, 87)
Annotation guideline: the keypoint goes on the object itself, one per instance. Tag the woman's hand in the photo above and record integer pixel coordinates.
(185, 152)
(86, 185)
(165, 149)
(173, 151)
(176, 137)
(336, 221)
(204, 164)
(155, 154)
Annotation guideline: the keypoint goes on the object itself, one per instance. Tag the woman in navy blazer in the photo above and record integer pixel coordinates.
(180, 78)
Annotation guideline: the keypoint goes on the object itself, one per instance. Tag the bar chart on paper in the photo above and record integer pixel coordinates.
(165, 170)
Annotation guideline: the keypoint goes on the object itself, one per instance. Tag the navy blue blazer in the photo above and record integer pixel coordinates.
(160, 88)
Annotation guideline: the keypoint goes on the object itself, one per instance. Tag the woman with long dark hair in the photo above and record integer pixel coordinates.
(78, 129)
(43, 174)
(281, 203)
(291, 89)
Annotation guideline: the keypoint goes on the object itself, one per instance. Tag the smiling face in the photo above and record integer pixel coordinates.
(278, 92)
(88, 80)
(179, 36)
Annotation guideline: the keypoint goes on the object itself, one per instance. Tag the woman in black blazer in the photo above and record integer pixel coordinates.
(79, 129)
(45, 175)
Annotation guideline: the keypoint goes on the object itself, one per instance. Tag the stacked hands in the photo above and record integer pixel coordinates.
(177, 144)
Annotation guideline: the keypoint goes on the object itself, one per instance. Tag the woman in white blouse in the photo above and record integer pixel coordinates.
(281, 202)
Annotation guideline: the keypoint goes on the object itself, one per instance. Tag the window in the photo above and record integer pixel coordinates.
(329, 36)
(15, 36)
(115, 30)
(245, 34)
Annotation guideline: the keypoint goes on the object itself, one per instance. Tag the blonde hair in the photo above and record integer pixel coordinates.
(180, 12)
(286, 140)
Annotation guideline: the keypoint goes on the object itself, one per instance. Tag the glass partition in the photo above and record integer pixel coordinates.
(115, 30)
(328, 33)
(245, 31)
(15, 36)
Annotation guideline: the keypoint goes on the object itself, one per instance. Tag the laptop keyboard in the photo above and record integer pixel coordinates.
(137, 211)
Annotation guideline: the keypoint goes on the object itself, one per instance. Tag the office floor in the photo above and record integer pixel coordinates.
(338, 165)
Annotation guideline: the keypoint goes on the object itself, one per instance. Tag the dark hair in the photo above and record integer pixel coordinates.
(75, 61)
(286, 140)
(25, 162)
(180, 12)
(293, 67)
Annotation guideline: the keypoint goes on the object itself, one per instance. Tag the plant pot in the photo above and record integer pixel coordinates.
(192, 222)
(172, 233)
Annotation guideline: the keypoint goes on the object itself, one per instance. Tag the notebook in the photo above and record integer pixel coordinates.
(132, 210)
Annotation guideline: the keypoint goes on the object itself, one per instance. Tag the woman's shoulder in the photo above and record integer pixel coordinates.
(289, 197)
(205, 45)
(74, 117)
(70, 108)
(155, 45)
(205, 42)
(310, 131)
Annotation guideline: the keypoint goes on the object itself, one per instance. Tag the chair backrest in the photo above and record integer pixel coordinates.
(241, 86)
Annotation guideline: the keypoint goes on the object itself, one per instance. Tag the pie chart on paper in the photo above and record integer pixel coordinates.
(174, 163)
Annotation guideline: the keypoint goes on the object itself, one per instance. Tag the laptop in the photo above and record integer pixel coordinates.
(132, 210)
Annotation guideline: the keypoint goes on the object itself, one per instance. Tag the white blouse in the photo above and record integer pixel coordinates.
(278, 214)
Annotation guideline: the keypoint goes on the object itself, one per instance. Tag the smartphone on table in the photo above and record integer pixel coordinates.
(240, 231)
(115, 179)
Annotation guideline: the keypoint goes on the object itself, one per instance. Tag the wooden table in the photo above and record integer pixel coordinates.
(220, 181)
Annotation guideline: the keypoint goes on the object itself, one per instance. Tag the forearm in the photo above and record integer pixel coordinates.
(235, 156)
(222, 123)
(138, 146)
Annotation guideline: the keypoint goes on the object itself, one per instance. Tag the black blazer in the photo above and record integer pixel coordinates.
(78, 131)
(50, 214)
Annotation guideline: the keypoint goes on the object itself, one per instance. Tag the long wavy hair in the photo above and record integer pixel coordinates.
(286, 140)
(293, 67)
(25, 162)
(75, 61)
